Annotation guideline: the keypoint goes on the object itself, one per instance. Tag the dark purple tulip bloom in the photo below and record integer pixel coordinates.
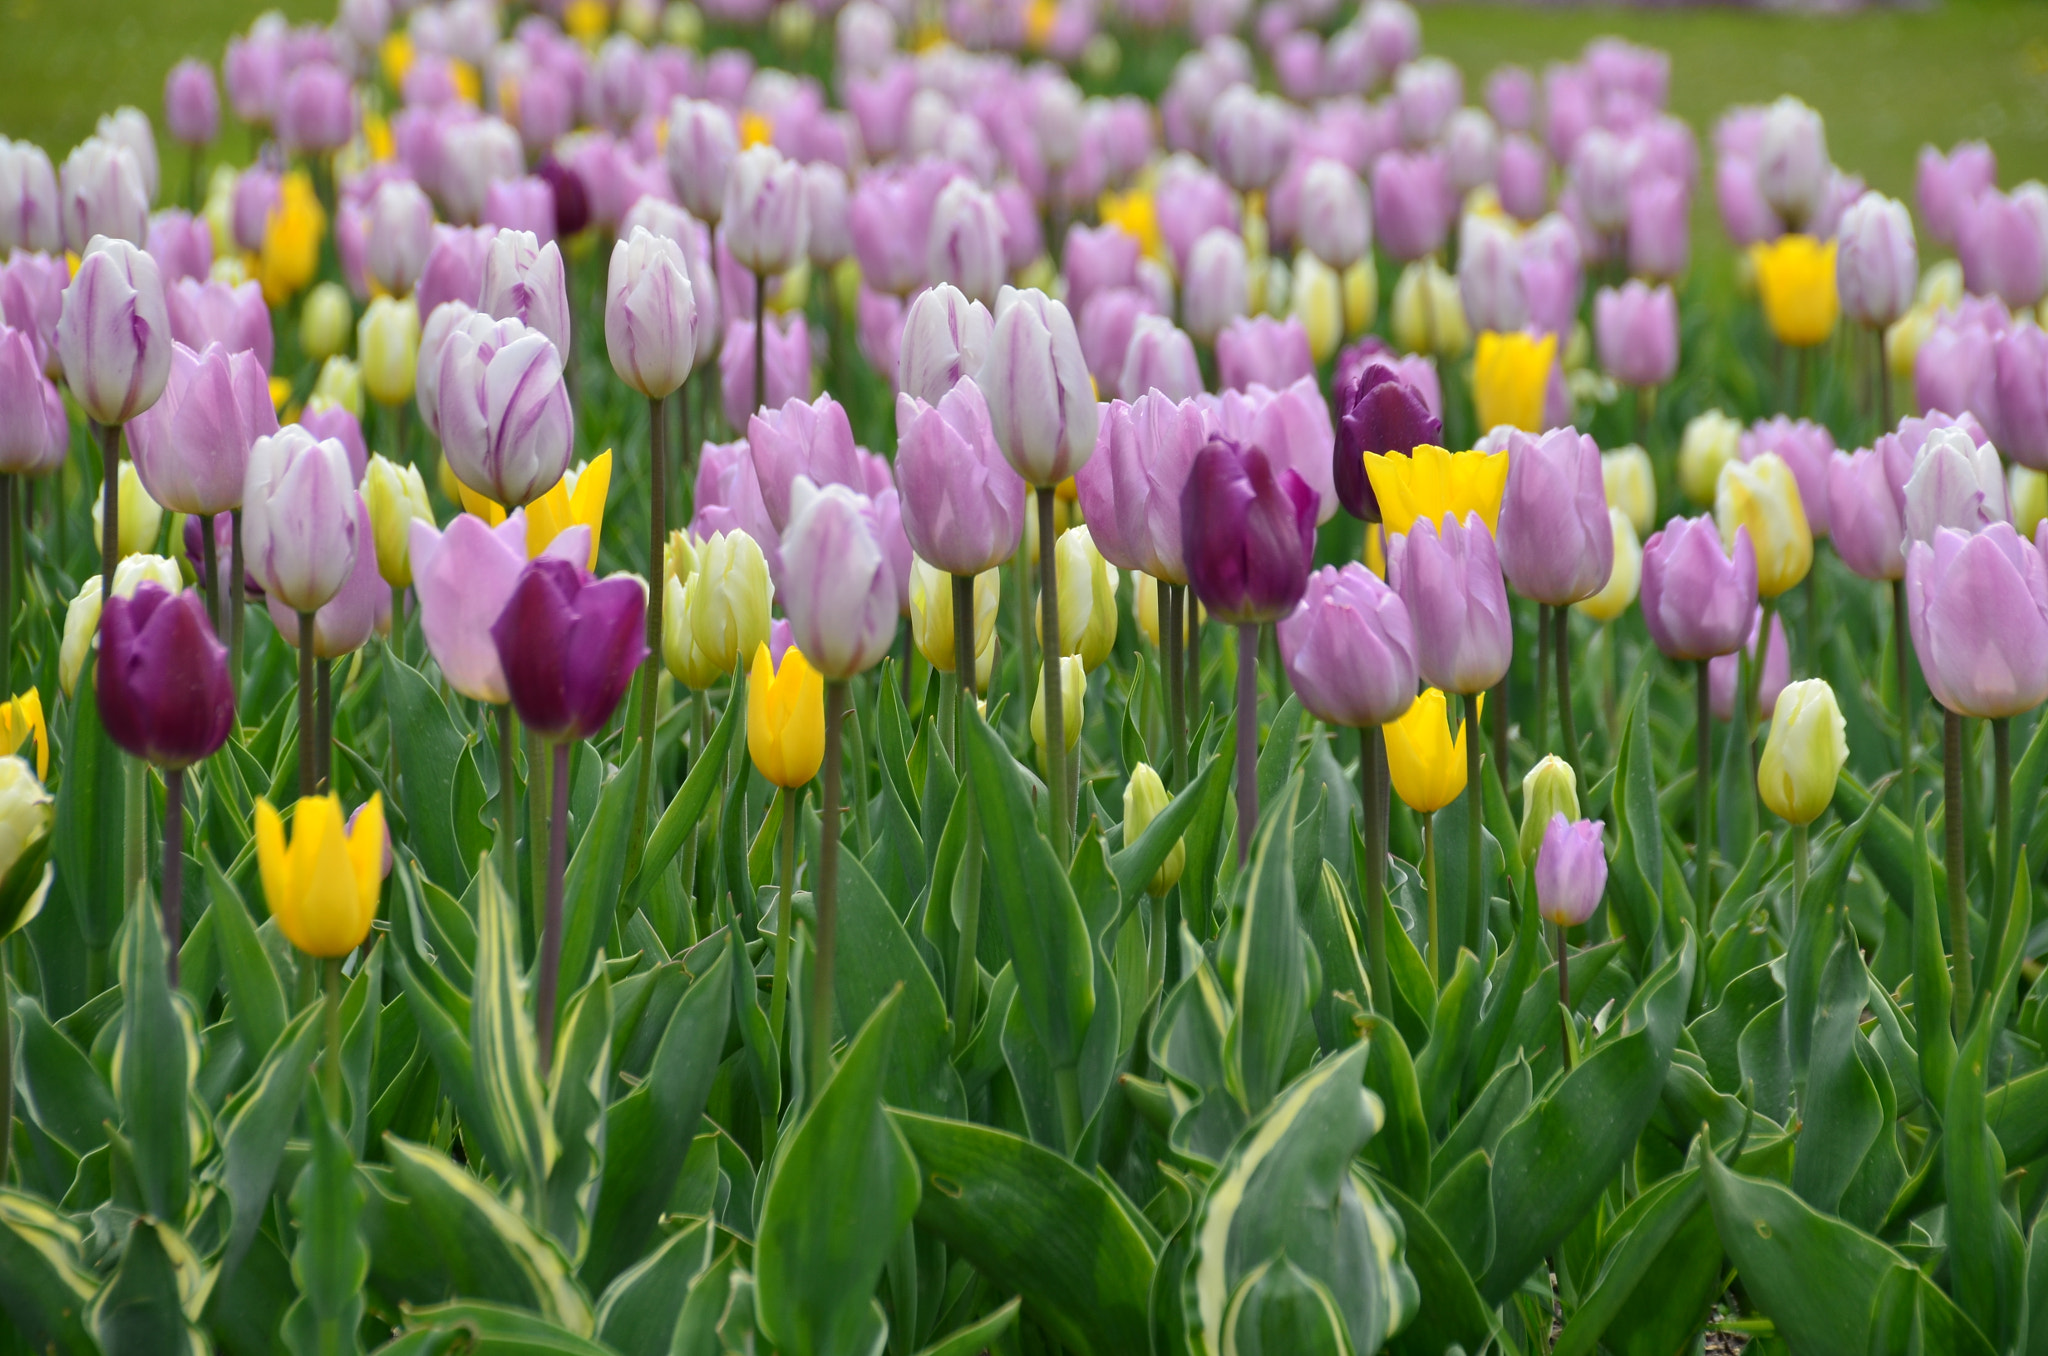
(1249, 533)
(569, 645)
(162, 678)
(1376, 412)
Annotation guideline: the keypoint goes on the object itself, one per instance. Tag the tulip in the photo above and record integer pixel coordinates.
(323, 886)
(1411, 204)
(1630, 481)
(1424, 758)
(1131, 489)
(162, 681)
(1637, 330)
(463, 577)
(288, 253)
(1796, 775)
(945, 337)
(1978, 609)
(1556, 544)
(1944, 186)
(1795, 275)
(2002, 240)
(1431, 482)
(568, 645)
(2027, 490)
(1145, 799)
(763, 214)
(1349, 649)
(1429, 312)
(786, 356)
(785, 717)
(502, 408)
(523, 280)
(1217, 288)
(28, 199)
(720, 614)
(257, 194)
(21, 721)
(2019, 408)
(1878, 263)
(1723, 670)
(475, 153)
(1160, 357)
(114, 334)
(650, 314)
(1698, 597)
(139, 517)
(1336, 218)
(1509, 378)
(315, 111)
(701, 145)
(396, 498)
(1248, 533)
(576, 500)
(1956, 482)
(299, 532)
(963, 506)
(1377, 412)
(932, 622)
(326, 319)
(388, 343)
(1450, 578)
(1571, 870)
(839, 588)
(1490, 267)
(1072, 699)
(814, 440)
(965, 246)
(1624, 578)
(191, 103)
(1105, 328)
(1549, 788)
(1041, 402)
(181, 244)
(524, 204)
(235, 317)
(1249, 137)
(1264, 351)
(400, 238)
(1762, 498)
(102, 191)
(1710, 441)
(1792, 160)
(35, 436)
(454, 268)
(27, 813)
(1659, 226)
(1087, 587)
(360, 608)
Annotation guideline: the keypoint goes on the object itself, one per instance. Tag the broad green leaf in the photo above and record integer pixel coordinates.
(154, 1062)
(1188, 1044)
(1280, 1310)
(89, 822)
(1933, 1034)
(1452, 1310)
(590, 888)
(330, 1262)
(876, 956)
(58, 1084)
(427, 747)
(256, 1124)
(481, 1328)
(638, 1310)
(1644, 1232)
(252, 981)
(1401, 1148)
(1269, 979)
(1910, 1316)
(979, 1336)
(140, 1311)
(696, 1330)
(1841, 1115)
(44, 1286)
(502, 1043)
(1205, 834)
(1440, 1067)
(1461, 1203)
(1986, 1253)
(577, 1085)
(1821, 910)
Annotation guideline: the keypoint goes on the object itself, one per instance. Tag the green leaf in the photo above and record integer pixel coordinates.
(1205, 836)
(1643, 1233)
(154, 1061)
(876, 958)
(1841, 1115)
(1889, 847)
(1441, 1066)
(590, 888)
(577, 1085)
(1638, 868)
(141, 1309)
(1821, 910)
(1986, 1255)
(502, 1043)
(1462, 1206)
(1280, 1310)
(1279, 751)
(1453, 1313)
(1136, 863)
(252, 982)
(979, 1336)
(330, 1262)
(1932, 996)
(256, 1124)
(428, 748)
(844, 1187)
(60, 1086)
(639, 1309)
(1049, 1230)
(1401, 1148)
(89, 821)
(687, 809)
(44, 1287)
(481, 1328)
(1910, 1316)
(1269, 975)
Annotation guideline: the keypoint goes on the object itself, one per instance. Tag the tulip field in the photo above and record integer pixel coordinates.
(1090, 676)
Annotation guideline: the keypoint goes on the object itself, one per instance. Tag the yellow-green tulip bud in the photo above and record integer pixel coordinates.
(1762, 496)
(1429, 312)
(1361, 297)
(395, 496)
(1624, 579)
(1317, 299)
(1549, 788)
(141, 517)
(1073, 706)
(1710, 442)
(1804, 755)
(26, 812)
(388, 348)
(1941, 285)
(1087, 586)
(1145, 799)
(931, 618)
(324, 320)
(81, 629)
(720, 614)
(2028, 491)
(340, 381)
(1631, 483)
(679, 557)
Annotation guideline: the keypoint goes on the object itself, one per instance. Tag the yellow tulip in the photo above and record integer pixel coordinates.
(1146, 606)
(1510, 375)
(1317, 298)
(81, 631)
(1145, 799)
(388, 348)
(1762, 496)
(1424, 761)
(1624, 579)
(785, 717)
(395, 496)
(1135, 215)
(1795, 274)
(1630, 480)
(1433, 482)
(291, 240)
(1429, 311)
(341, 382)
(931, 618)
(1549, 788)
(1361, 297)
(323, 885)
(22, 720)
(587, 20)
(395, 55)
(26, 813)
(1902, 341)
(678, 556)
(1941, 286)
(1709, 443)
(2028, 491)
(1073, 705)
(324, 321)
(1087, 585)
(140, 519)
(720, 613)
(474, 504)
(576, 499)
(1804, 755)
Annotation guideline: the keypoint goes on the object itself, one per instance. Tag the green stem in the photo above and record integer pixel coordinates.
(1066, 1086)
(1055, 710)
(1703, 798)
(1564, 999)
(1172, 639)
(7, 587)
(209, 574)
(785, 913)
(110, 506)
(6, 1076)
(236, 601)
(2001, 809)
(134, 827)
(330, 1068)
(1566, 726)
(650, 668)
(1752, 689)
(857, 802)
(551, 921)
(1799, 860)
(323, 714)
(760, 342)
(818, 1038)
(1436, 962)
(309, 728)
(1540, 736)
(173, 871)
(1247, 740)
(1956, 862)
(966, 969)
(537, 802)
(1902, 640)
(1475, 920)
(1372, 778)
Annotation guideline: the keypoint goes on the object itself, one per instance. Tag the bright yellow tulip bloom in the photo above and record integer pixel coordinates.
(291, 240)
(22, 720)
(323, 886)
(1424, 761)
(1762, 496)
(1134, 214)
(785, 717)
(1795, 275)
(1804, 755)
(1510, 375)
(395, 496)
(1434, 482)
(931, 618)
(577, 498)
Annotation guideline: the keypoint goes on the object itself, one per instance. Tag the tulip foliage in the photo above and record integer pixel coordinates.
(702, 722)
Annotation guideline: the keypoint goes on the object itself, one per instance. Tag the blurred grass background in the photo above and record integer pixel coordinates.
(1887, 80)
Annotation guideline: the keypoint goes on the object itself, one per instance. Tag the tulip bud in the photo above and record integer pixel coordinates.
(1087, 585)
(1425, 761)
(1795, 276)
(650, 314)
(699, 152)
(103, 190)
(1549, 788)
(764, 215)
(323, 885)
(162, 678)
(141, 517)
(1623, 579)
(785, 717)
(114, 334)
(1804, 755)
(398, 237)
(340, 383)
(1336, 219)
(28, 199)
(1698, 598)
(1217, 287)
(27, 812)
(719, 615)
(1977, 605)
(965, 247)
(1763, 497)
(1247, 533)
(324, 321)
(1429, 312)
(1637, 329)
(1710, 441)
(1145, 799)
(839, 588)
(1878, 263)
(1350, 649)
(396, 497)
(945, 338)
(1510, 377)
(523, 280)
(1571, 870)
(1630, 481)
(1160, 357)
(1316, 301)
(1040, 399)
(1411, 204)
(2002, 240)
(1792, 160)
(963, 506)
(191, 448)
(2027, 491)
(1450, 577)
(569, 645)
(503, 409)
(388, 348)
(191, 103)
(1556, 543)
(299, 524)
(1073, 706)
(931, 619)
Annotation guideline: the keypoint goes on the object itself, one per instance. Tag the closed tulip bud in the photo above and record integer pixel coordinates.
(399, 237)
(931, 618)
(1425, 760)
(1630, 480)
(191, 103)
(1450, 577)
(191, 449)
(1145, 799)
(1623, 579)
(1412, 204)
(699, 151)
(1262, 351)
(1977, 605)
(720, 614)
(1762, 496)
(1073, 705)
(141, 517)
(1377, 412)
(454, 268)
(81, 634)
(788, 363)
(1087, 585)
(1247, 533)
(27, 812)
(1040, 399)
(503, 409)
(359, 609)
(1878, 262)
(1710, 441)
(785, 717)
(568, 645)
(2018, 413)
(315, 109)
(1956, 482)
(162, 679)
(1792, 160)
(1160, 357)
(388, 347)
(103, 190)
(463, 578)
(1795, 275)
(396, 498)
(1805, 752)
(1571, 870)
(523, 280)
(1361, 297)
(1724, 671)
(963, 506)
(299, 527)
(1945, 185)
(2002, 240)
(35, 436)
(1471, 150)
(1249, 135)
(1556, 544)
(1805, 447)
(1637, 331)
(1510, 376)
(945, 337)
(325, 319)
(1217, 288)
(764, 215)
(965, 246)
(1490, 272)
(1523, 179)
(324, 883)
(1130, 490)
(1429, 312)
(114, 334)
(1698, 597)
(1336, 219)
(1316, 301)
(799, 439)
(1659, 226)
(1548, 789)
(2027, 490)
(29, 216)
(1349, 649)
(650, 314)
(340, 383)
(838, 585)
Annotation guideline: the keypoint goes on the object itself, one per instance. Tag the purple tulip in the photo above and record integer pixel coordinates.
(463, 578)
(1350, 648)
(2019, 408)
(1878, 264)
(788, 360)
(476, 153)
(1336, 219)
(1131, 489)
(1956, 367)
(1864, 516)
(1248, 533)
(1411, 204)
(503, 410)
(1263, 350)
(1745, 216)
(825, 203)
(203, 312)
(324, 420)
(650, 314)
(1159, 357)
(102, 192)
(838, 584)
(315, 109)
(162, 678)
(728, 499)
(1723, 671)
(1191, 202)
(1040, 399)
(1449, 576)
(258, 192)
(1249, 135)
(962, 506)
(799, 439)
(360, 609)
(1807, 448)
(1571, 870)
(1097, 258)
(1945, 185)
(254, 68)
(32, 298)
(1511, 97)
(1552, 275)
(1106, 325)
(1977, 606)
(763, 219)
(889, 218)
(702, 143)
(1523, 181)
(1490, 274)
(1697, 599)
(1659, 226)
(299, 527)
(618, 83)
(523, 280)
(191, 103)
(1556, 544)
(569, 645)
(454, 267)
(191, 448)
(526, 205)
(965, 245)
(569, 202)
(398, 236)
(1378, 412)
(1291, 426)
(1637, 331)
(34, 434)
(1427, 91)
(29, 218)
(182, 246)
(2002, 240)
(114, 335)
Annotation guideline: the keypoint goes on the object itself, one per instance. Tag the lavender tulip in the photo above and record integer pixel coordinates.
(1865, 520)
(701, 146)
(181, 244)
(763, 217)
(1160, 356)
(32, 298)
(1659, 226)
(2019, 407)
(1097, 258)
(1977, 605)
(454, 267)
(1637, 332)
(1556, 544)
(1878, 264)
(1349, 649)
(1377, 412)
(1956, 367)
(1490, 274)
(787, 358)
(1792, 160)
(1807, 448)
(102, 192)
(523, 280)
(1262, 350)
(1523, 181)
(358, 610)
(1945, 185)
(945, 337)
(1039, 397)
(1336, 218)
(1427, 91)
(1511, 97)
(1697, 599)
(837, 584)
(826, 196)
(299, 526)
(2002, 240)
(1571, 871)
(34, 434)
(325, 419)
(235, 317)
(191, 103)
(1449, 576)
(962, 505)
(1552, 275)
(258, 194)
(29, 219)
(475, 154)
(1190, 202)
(568, 645)
(1249, 135)
(1291, 426)
(398, 236)
(1131, 488)
(1723, 671)
(502, 409)
(1247, 534)
(192, 447)
(1956, 483)
(463, 578)
(315, 109)
(811, 440)
(965, 246)
(1411, 204)
(649, 314)
(1216, 289)
(162, 678)
(114, 335)
(1105, 327)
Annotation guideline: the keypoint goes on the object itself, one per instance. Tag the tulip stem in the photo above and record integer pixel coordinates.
(537, 782)
(966, 968)
(1372, 782)
(1540, 736)
(134, 826)
(330, 1068)
(650, 668)
(785, 913)
(1191, 689)
(209, 572)
(1500, 727)
(1436, 963)
(1901, 641)
(1567, 728)
(955, 711)
(1753, 686)
(1703, 799)
(760, 341)
(1799, 856)
(508, 778)
(1055, 709)
(1022, 583)
(174, 867)
(110, 505)
(323, 713)
(1247, 739)
(7, 584)
(1564, 1000)
(397, 639)
(818, 1038)
(1954, 860)
(1172, 636)
(233, 604)
(6, 1076)
(309, 730)
(551, 921)
(1475, 806)
(2001, 809)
